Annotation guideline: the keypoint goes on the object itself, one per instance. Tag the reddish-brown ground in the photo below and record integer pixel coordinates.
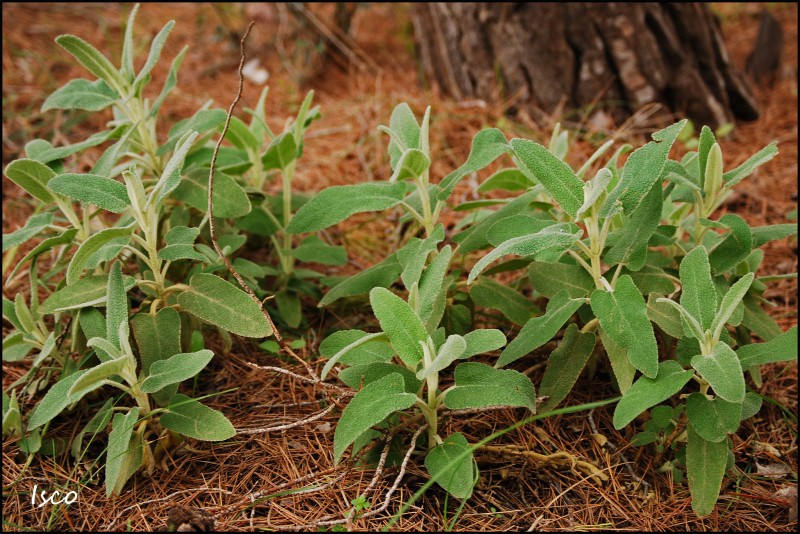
(345, 147)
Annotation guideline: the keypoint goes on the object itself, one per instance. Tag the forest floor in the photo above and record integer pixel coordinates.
(345, 147)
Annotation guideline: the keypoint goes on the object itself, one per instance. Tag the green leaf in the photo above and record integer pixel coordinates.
(91, 246)
(289, 307)
(117, 307)
(782, 348)
(190, 418)
(48, 244)
(369, 407)
(169, 83)
(155, 53)
(32, 176)
(623, 315)
(92, 59)
(361, 375)
(314, 249)
(705, 466)
(88, 291)
(722, 370)
(744, 170)
(373, 352)
(124, 453)
(458, 479)
(643, 169)
(335, 204)
(92, 189)
(751, 405)
(553, 240)
(506, 180)
(647, 392)
(698, 296)
(240, 136)
(158, 337)
(478, 386)
(404, 329)
(171, 177)
(82, 94)
(126, 66)
(623, 369)
(651, 279)
(180, 245)
(712, 419)
(381, 274)
(550, 278)
(33, 226)
(230, 200)
(476, 236)
(452, 349)
(412, 164)
(95, 377)
(705, 142)
(175, 369)
(632, 240)
(414, 255)
(540, 330)
(565, 365)
(482, 341)
(54, 401)
(56, 153)
(432, 289)
(487, 146)
(215, 301)
(764, 234)
(729, 303)
(665, 315)
(757, 320)
(515, 226)
(354, 341)
(201, 122)
(490, 294)
(736, 246)
(594, 190)
(12, 420)
(690, 325)
(280, 152)
(556, 176)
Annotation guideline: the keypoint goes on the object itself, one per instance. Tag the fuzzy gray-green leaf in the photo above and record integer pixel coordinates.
(540, 330)
(490, 294)
(88, 291)
(667, 317)
(556, 176)
(698, 296)
(782, 348)
(82, 94)
(565, 365)
(549, 278)
(91, 58)
(335, 204)
(175, 369)
(458, 479)
(220, 303)
(91, 246)
(552, 239)
(404, 329)
(705, 466)
(230, 200)
(722, 370)
(623, 315)
(32, 176)
(92, 189)
(647, 392)
(381, 274)
(155, 53)
(487, 146)
(712, 419)
(482, 341)
(369, 407)
(54, 401)
(744, 170)
(452, 349)
(35, 225)
(124, 454)
(478, 386)
(191, 418)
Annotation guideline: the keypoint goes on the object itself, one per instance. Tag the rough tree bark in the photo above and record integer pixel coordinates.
(615, 57)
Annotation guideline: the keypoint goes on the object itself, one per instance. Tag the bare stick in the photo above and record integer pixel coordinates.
(211, 226)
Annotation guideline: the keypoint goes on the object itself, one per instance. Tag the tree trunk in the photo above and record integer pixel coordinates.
(609, 58)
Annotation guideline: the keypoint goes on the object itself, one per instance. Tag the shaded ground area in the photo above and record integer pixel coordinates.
(515, 492)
